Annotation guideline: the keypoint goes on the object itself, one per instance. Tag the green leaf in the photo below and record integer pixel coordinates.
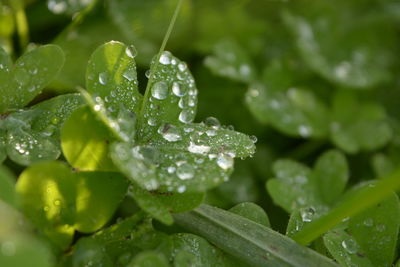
(111, 77)
(7, 186)
(231, 61)
(369, 130)
(345, 249)
(331, 175)
(252, 212)
(32, 135)
(255, 244)
(180, 202)
(88, 252)
(171, 96)
(58, 201)
(378, 224)
(293, 111)
(85, 141)
(30, 74)
(150, 204)
(183, 159)
(149, 259)
(355, 63)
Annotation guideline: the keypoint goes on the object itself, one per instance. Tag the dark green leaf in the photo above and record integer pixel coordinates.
(252, 212)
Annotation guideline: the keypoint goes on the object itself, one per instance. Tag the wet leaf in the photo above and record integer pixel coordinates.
(33, 134)
(7, 186)
(231, 61)
(254, 243)
(30, 74)
(292, 110)
(59, 201)
(149, 259)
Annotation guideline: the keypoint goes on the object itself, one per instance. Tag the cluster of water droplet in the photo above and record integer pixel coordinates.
(172, 85)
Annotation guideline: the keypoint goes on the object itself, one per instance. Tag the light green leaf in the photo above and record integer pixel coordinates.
(149, 259)
(230, 60)
(252, 212)
(257, 245)
(150, 204)
(7, 186)
(331, 174)
(369, 130)
(33, 134)
(58, 201)
(171, 96)
(85, 141)
(30, 74)
(293, 111)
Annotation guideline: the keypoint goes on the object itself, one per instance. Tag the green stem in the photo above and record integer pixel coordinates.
(21, 22)
(305, 149)
(354, 204)
(163, 45)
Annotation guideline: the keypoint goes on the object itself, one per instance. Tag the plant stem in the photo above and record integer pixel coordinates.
(21, 22)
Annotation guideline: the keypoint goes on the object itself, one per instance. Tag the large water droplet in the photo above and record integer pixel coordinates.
(186, 116)
(170, 132)
(185, 171)
(224, 161)
(131, 51)
(182, 66)
(103, 78)
(307, 214)
(198, 149)
(160, 90)
(211, 121)
(56, 6)
(350, 246)
(129, 74)
(165, 58)
(178, 89)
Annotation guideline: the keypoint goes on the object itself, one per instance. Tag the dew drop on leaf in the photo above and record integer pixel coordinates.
(186, 116)
(185, 171)
(307, 214)
(160, 90)
(165, 58)
(224, 161)
(350, 246)
(178, 89)
(198, 149)
(368, 222)
(131, 51)
(170, 133)
(103, 77)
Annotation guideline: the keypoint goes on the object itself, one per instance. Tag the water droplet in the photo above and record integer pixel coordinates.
(211, 132)
(224, 161)
(213, 122)
(165, 58)
(131, 51)
(307, 214)
(160, 90)
(169, 132)
(147, 73)
(129, 74)
(57, 202)
(178, 89)
(57, 7)
(185, 171)
(253, 138)
(350, 246)
(304, 131)
(198, 149)
(171, 169)
(46, 208)
(381, 227)
(186, 116)
(182, 66)
(244, 70)
(103, 78)
(181, 189)
(22, 76)
(368, 222)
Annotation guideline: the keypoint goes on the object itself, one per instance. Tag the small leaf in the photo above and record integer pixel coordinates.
(31, 73)
(88, 252)
(7, 186)
(151, 204)
(171, 96)
(58, 201)
(33, 134)
(291, 110)
(252, 212)
(345, 249)
(255, 244)
(148, 259)
(331, 175)
(369, 130)
(231, 61)
(86, 149)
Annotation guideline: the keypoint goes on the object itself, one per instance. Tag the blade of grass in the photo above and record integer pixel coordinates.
(350, 206)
